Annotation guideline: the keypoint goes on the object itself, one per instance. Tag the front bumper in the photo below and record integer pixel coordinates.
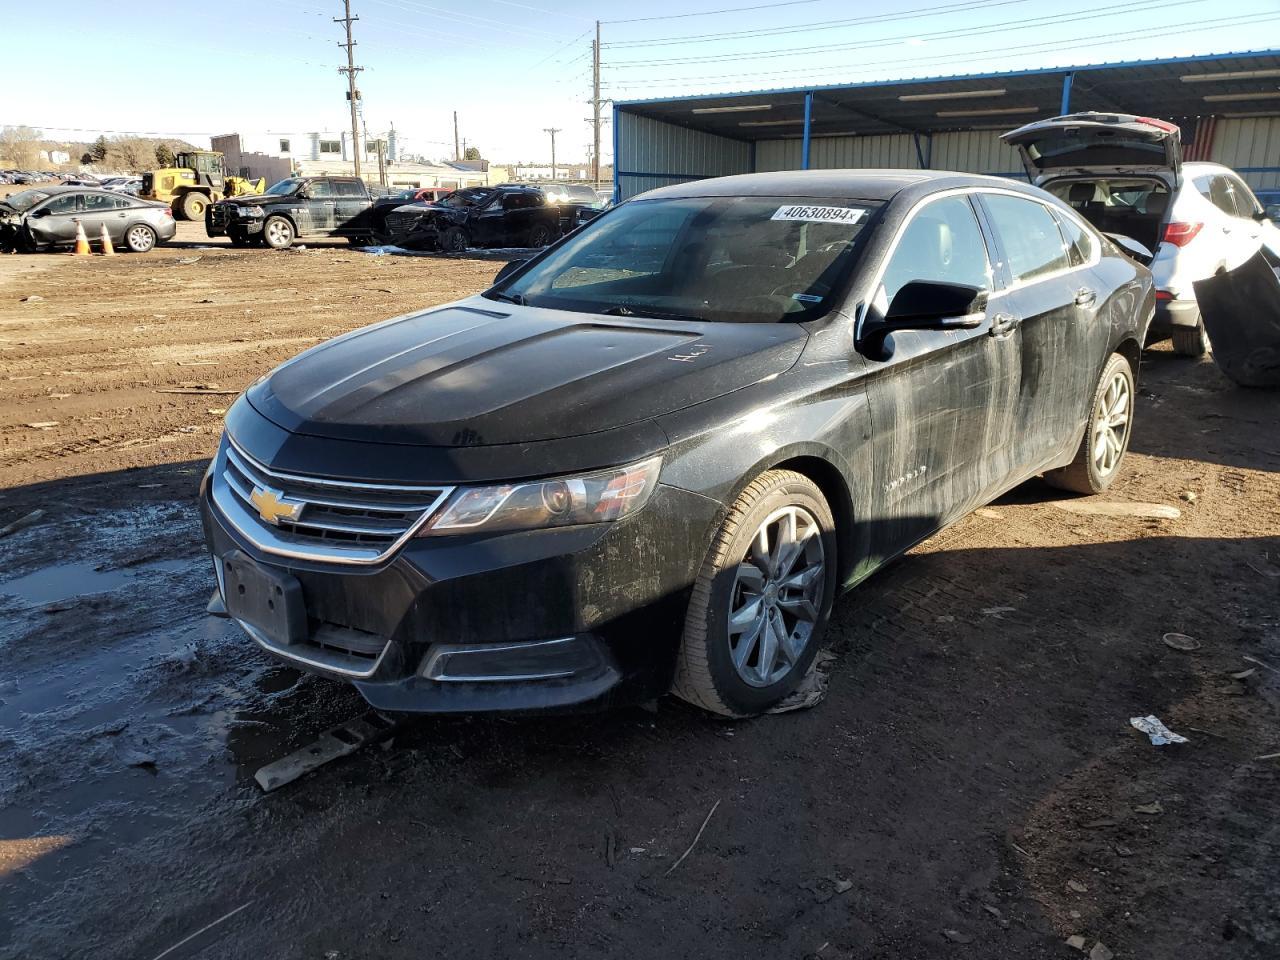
(221, 219)
(578, 618)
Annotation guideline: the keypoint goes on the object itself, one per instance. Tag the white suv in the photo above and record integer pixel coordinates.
(1125, 175)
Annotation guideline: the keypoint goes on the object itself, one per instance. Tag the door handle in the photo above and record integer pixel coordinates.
(1085, 297)
(1003, 324)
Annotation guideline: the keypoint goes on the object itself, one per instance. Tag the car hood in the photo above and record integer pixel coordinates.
(479, 373)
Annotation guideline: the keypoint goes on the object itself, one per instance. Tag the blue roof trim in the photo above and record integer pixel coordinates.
(1198, 58)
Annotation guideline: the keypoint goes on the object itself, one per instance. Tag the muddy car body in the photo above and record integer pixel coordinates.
(295, 208)
(650, 457)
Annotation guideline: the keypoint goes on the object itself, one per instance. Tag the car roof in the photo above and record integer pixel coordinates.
(833, 184)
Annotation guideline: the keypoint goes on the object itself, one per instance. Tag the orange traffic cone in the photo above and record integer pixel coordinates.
(82, 242)
(105, 240)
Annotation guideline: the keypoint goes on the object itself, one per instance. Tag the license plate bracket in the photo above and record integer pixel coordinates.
(267, 599)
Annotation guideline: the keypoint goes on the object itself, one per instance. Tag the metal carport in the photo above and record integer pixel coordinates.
(1228, 106)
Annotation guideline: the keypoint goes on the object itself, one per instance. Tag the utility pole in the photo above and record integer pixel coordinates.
(553, 131)
(595, 108)
(351, 70)
(457, 154)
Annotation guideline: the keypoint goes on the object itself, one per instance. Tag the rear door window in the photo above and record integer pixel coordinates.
(1245, 204)
(1217, 191)
(1028, 234)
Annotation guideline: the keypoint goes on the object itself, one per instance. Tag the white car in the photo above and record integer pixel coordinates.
(1125, 175)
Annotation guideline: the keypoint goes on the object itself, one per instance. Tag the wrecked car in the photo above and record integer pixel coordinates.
(45, 218)
(295, 208)
(505, 216)
(1125, 175)
(649, 458)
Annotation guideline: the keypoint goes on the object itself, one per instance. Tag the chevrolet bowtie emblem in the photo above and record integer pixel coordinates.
(273, 506)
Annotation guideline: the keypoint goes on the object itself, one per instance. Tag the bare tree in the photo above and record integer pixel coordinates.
(131, 153)
(20, 147)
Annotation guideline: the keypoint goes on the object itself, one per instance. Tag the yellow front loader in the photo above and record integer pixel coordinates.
(197, 179)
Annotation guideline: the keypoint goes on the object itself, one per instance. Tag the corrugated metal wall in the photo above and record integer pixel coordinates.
(676, 154)
(832, 153)
(975, 151)
(1250, 145)
(970, 151)
(1247, 143)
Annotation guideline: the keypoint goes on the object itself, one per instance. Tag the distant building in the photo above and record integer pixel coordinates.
(542, 171)
(280, 155)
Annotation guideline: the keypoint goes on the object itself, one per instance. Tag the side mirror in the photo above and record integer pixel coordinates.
(508, 268)
(42, 212)
(1270, 212)
(925, 305)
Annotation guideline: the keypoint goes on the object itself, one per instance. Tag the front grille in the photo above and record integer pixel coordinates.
(338, 521)
(218, 215)
(146, 182)
(400, 224)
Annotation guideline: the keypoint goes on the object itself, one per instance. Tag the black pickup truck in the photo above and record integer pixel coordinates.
(298, 207)
(511, 215)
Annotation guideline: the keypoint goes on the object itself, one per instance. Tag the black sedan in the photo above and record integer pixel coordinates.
(46, 217)
(650, 458)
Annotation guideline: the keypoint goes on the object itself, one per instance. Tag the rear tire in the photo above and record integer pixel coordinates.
(759, 607)
(1106, 435)
(277, 233)
(540, 235)
(140, 238)
(1190, 341)
(193, 205)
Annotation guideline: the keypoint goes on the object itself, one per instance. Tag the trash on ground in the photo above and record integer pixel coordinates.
(1153, 809)
(813, 688)
(1118, 508)
(42, 424)
(34, 298)
(1181, 641)
(1076, 942)
(334, 743)
(956, 936)
(1157, 731)
(1101, 951)
(1075, 886)
(22, 522)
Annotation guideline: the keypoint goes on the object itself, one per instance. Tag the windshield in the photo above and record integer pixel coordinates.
(466, 198)
(734, 259)
(284, 188)
(26, 199)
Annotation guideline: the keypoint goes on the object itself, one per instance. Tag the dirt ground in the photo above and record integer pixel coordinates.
(970, 787)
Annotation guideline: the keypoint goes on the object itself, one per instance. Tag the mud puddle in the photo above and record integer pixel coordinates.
(65, 581)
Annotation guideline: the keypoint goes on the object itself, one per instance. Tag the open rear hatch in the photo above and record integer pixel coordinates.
(1098, 143)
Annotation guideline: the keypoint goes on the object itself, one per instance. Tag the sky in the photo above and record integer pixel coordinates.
(512, 68)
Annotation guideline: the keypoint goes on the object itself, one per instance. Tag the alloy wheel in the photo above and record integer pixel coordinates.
(777, 596)
(140, 239)
(1111, 424)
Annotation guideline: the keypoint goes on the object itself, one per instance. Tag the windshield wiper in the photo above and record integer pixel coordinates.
(622, 310)
(516, 298)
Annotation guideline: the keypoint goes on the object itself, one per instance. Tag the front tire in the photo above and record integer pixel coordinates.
(277, 233)
(1190, 341)
(761, 600)
(1106, 436)
(453, 240)
(193, 206)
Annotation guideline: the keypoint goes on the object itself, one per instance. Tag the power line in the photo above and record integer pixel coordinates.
(712, 13)
(554, 13)
(467, 19)
(1133, 6)
(1083, 43)
(919, 13)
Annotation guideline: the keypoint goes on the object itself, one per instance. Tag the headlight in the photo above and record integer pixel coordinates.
(559, 502)
(250, 211)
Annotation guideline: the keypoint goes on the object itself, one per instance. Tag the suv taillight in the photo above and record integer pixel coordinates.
(1180, 234)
